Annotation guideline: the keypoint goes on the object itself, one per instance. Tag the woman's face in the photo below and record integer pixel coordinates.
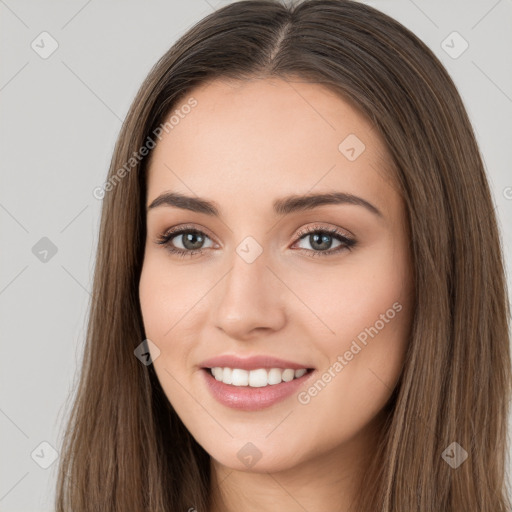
(271, 278)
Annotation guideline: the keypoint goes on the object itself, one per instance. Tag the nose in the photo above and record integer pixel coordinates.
(250, 300)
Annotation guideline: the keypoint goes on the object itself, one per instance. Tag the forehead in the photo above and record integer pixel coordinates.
(252, 141)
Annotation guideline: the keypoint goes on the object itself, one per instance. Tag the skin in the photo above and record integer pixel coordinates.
(243, 146)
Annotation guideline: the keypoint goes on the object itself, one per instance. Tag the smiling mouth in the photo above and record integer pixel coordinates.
(257, 378)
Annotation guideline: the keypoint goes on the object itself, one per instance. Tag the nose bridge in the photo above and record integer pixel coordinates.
(248, 274)
(248, 298)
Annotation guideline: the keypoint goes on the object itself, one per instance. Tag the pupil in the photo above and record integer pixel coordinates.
(324, 239)
(190, 237)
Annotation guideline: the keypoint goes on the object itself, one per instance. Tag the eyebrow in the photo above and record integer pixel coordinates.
(282, 206)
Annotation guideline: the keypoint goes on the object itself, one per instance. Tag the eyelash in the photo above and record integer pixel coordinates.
(347, 243)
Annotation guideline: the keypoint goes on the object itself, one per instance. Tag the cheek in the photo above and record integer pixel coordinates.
(364, 366)
(173, 306)
(163, 303)
(351, 297)
(367, 305)
(153, 297)
(167, 297)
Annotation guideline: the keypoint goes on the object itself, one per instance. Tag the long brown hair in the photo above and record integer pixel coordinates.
(125, 449)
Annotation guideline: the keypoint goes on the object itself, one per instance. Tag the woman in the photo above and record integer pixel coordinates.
(299, 297)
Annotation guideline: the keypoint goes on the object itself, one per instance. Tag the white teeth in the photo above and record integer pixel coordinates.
(227, 376)
(274, 376)
(288, 375)
(256, 378)
(239, 377)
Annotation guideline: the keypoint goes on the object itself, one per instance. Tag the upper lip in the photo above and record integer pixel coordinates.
(250, 363)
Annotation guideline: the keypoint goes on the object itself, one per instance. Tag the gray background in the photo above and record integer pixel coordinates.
(60, 119)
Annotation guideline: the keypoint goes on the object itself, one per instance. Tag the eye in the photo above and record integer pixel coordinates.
(190, 239)
(321, 240)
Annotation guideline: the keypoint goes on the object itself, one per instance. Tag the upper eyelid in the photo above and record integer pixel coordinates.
(318, 227)
(187, 227)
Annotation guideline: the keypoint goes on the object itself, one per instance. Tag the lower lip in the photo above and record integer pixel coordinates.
(252, 399)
